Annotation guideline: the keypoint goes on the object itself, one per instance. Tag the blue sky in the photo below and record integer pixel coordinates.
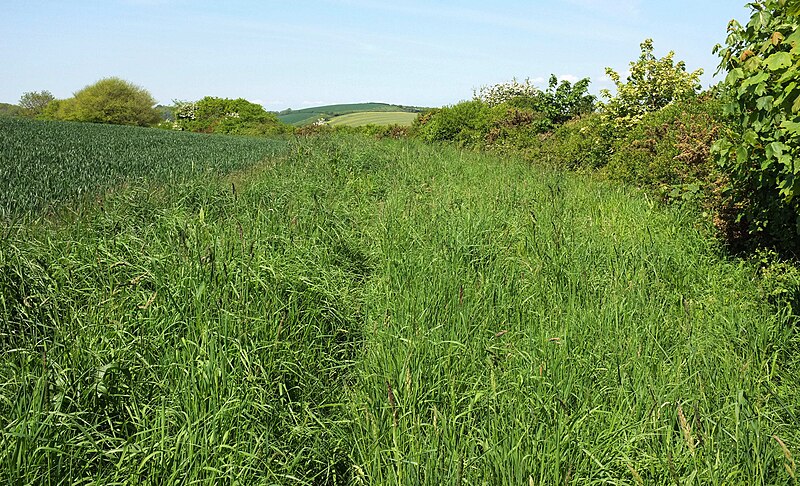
(307, 53)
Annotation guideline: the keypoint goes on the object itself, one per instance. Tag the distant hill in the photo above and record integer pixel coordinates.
(330, 112)
(362, 118)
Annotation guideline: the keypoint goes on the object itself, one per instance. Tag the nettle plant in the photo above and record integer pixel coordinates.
(652, 84)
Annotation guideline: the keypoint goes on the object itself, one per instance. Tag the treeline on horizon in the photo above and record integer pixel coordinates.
(729, 149)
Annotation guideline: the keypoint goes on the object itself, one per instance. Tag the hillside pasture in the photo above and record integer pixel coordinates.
(374, 118)
(306, 116)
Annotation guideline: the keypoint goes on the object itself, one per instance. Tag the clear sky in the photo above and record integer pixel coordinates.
(299, 53)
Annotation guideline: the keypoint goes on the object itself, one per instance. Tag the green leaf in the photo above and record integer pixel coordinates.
(734, 76)
(790, 74)
(794, 39)
(765, 103)
(776, 149)
(792, 127)
(786, 93)
(750, 137)
(721, 147)
(741, 155)
(753, 64)
(755, 79)
(779, 60)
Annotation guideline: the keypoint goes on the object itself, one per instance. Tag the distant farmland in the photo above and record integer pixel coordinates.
(331, 112)
(374, 118)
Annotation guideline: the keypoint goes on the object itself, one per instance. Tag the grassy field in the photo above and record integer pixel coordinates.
(365, 312)
(310, 115)
(376, 118)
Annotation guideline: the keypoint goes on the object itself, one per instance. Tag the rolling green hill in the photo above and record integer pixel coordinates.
(310, 115)
(374, 118)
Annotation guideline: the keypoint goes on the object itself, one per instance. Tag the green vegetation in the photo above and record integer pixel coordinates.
(110, 100)
(227, 116)
(657, 132)
(44, 162)
(33, 103)
(651, 85)
(763, 93)
(7, 109)
(374, 118)
(507, 117)
(352, 311)
(310, 115)
(353, 305)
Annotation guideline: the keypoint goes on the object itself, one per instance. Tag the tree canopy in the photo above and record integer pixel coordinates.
(110, 100)
(652, 84)
(33, 103)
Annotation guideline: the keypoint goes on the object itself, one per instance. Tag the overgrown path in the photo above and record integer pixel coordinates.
(389, 312)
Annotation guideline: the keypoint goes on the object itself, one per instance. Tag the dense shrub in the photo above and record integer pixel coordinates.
(507, 117)
(465, 123)
(377, 131)
(384, 131)
(670, 149)
(581, 143)
(761, 154)
(110, 100)
(500, 93)
(227, 116)
(554, 106)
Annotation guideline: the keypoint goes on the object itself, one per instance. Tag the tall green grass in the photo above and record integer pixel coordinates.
(362, 312)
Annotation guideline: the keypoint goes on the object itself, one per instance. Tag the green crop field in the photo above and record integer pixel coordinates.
(374, 118)
(46, 162)
(341, 310)
(310, 115)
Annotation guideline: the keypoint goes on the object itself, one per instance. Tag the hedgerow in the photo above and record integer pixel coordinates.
(760, 152)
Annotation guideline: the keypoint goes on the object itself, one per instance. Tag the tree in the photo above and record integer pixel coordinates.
(33, 103)
(110, 100)
(7, 109)
(652, 85)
